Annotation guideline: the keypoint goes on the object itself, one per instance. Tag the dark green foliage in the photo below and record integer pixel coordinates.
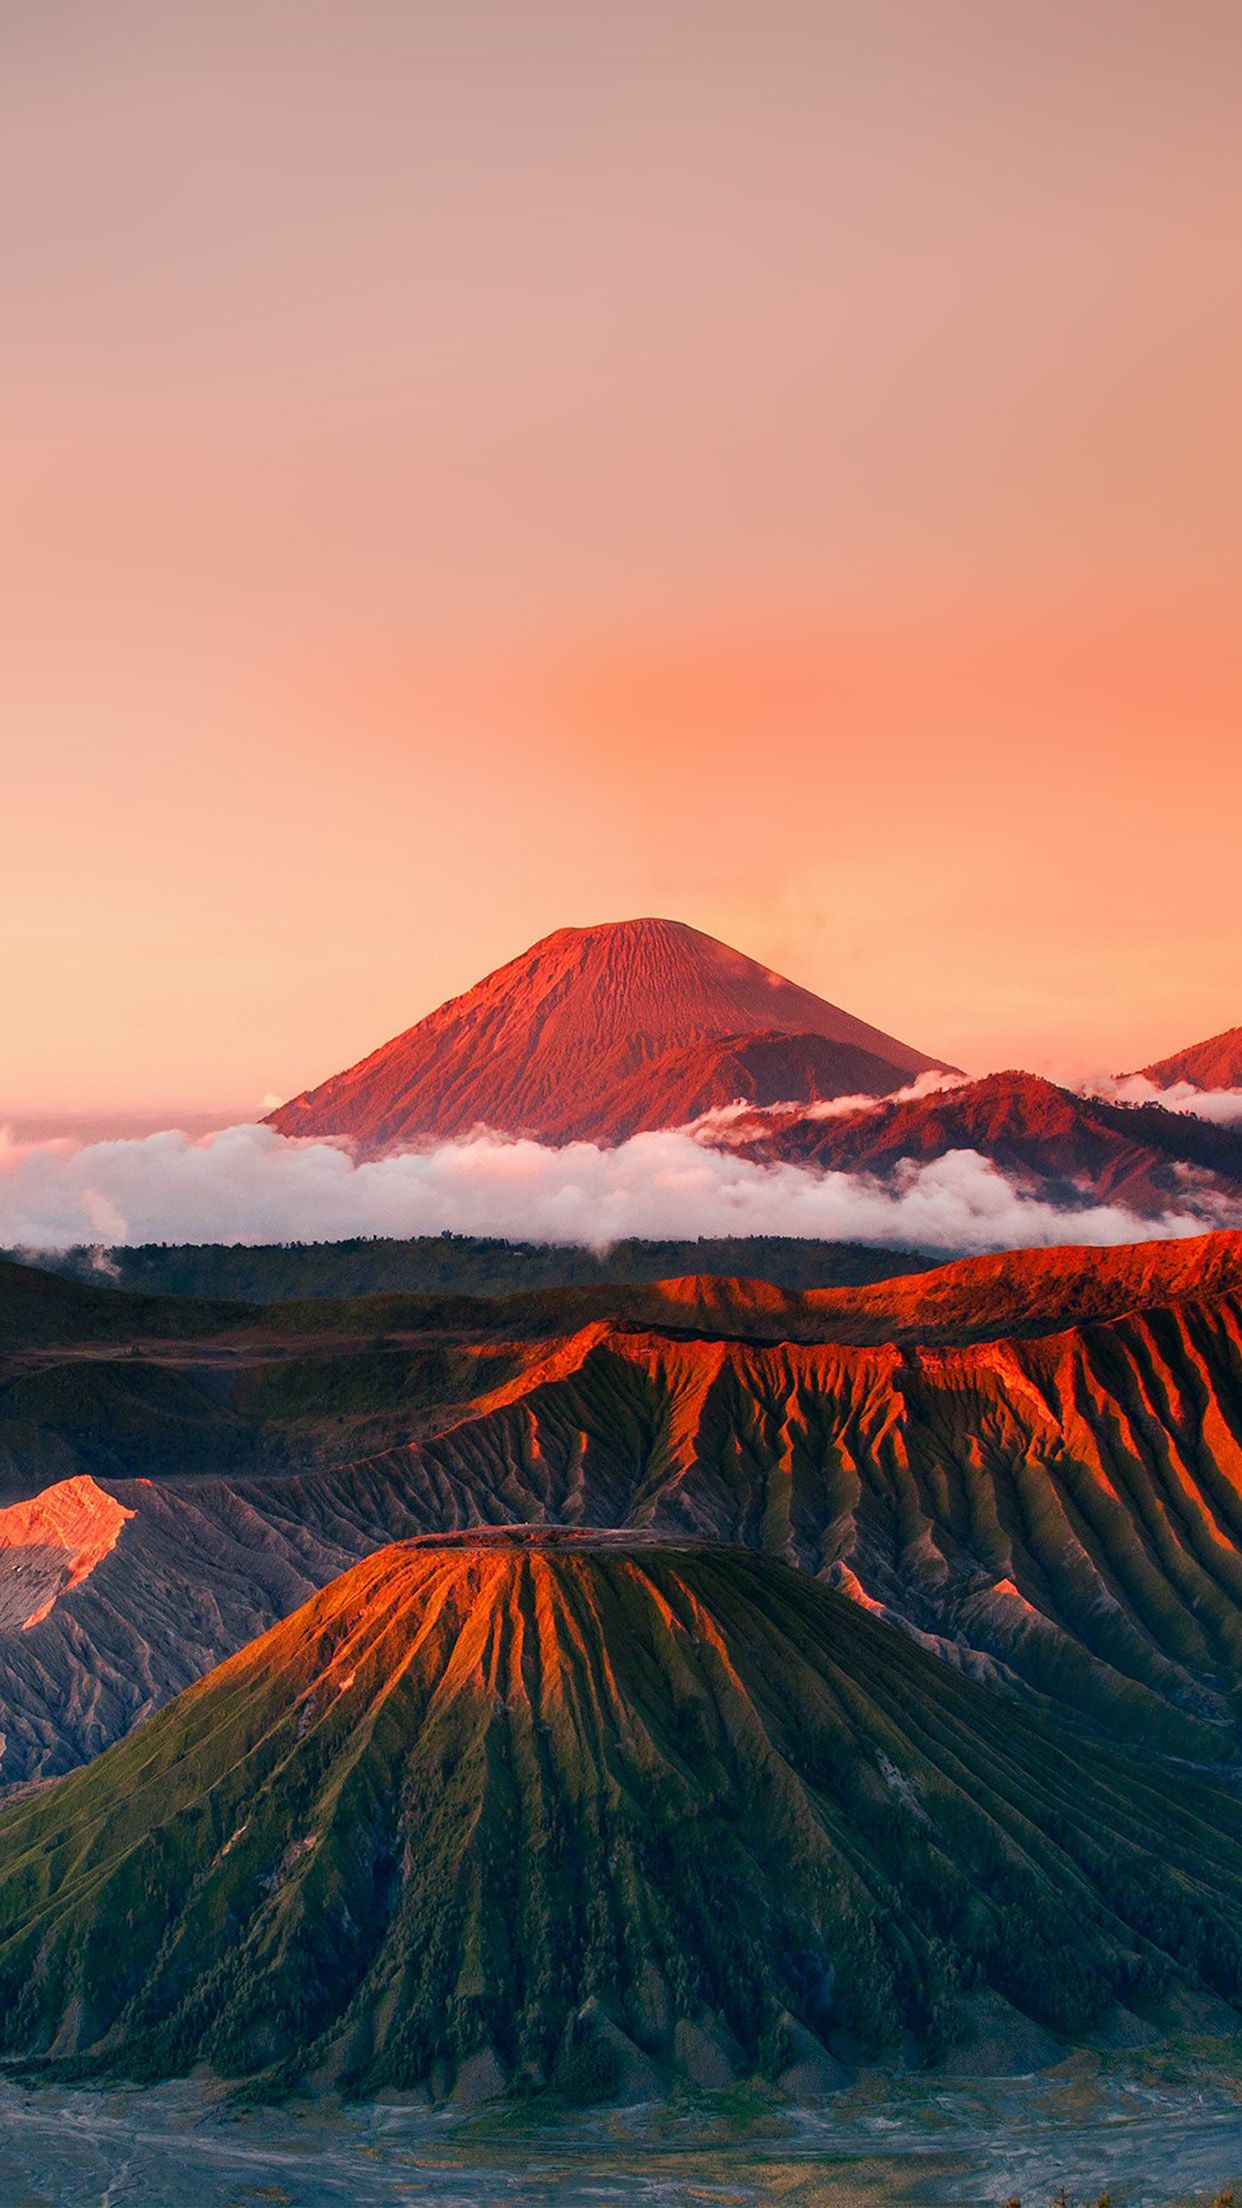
(38, 1306)
(469, 1265)
(586, 2067)
(118, 1417)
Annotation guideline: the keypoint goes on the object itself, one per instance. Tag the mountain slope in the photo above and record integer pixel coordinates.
(529, 1812)
(972, 1299)
(38, 1306)
(844, 1292)
(1057, 1512)
(1061, 1513)
(594, 1032)
(1215, 1064)
(692, 1079)
(1074, 1150)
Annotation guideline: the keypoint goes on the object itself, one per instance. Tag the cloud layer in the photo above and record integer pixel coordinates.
(1222, 1106)
(719, 1122)
(249, 1184)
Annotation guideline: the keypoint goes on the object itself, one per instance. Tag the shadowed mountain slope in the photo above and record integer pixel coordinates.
(600, 1817)
(596, 1032)
(112, 1599)
(40, 1306)
(1215, 1064)
(695, 1078)
(1073, 1150)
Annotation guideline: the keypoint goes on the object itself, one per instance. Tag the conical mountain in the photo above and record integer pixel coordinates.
(595, 1033)
(529, 1809)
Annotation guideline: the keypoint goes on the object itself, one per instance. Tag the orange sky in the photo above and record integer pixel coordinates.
(470, 469)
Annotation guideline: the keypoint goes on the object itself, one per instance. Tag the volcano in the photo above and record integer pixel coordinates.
(598, 1033)
(552, 1809)
(1215, 1064)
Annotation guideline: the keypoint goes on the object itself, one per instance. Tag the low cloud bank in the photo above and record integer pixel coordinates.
(249, 1184)
(1222, 1106)
(719, 1122)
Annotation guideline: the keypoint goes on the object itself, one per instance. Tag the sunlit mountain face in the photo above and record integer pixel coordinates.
(1215, 1064)
(596, 1033)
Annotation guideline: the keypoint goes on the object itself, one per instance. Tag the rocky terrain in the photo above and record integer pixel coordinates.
(1052, 1507)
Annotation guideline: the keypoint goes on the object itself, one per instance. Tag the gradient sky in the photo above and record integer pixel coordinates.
(474, 469)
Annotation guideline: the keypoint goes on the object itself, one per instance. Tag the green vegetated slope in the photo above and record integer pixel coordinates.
(596, 1816)
(37, 1306)
(470, 1265)
(164, 1416)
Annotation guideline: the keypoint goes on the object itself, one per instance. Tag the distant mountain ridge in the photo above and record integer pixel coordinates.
(462, 1265)
(1214, 1064)
(1072, 1150)
(598, 1033)
(602, 1034)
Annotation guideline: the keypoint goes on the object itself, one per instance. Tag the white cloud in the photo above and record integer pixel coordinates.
(720, 1122)
(1222, 1106)
(249, 1184)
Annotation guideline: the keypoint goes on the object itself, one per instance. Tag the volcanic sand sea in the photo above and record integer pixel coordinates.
(1152, 2131)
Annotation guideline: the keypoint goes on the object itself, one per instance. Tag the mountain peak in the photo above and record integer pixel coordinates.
(552, 1044)
(647, 928)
